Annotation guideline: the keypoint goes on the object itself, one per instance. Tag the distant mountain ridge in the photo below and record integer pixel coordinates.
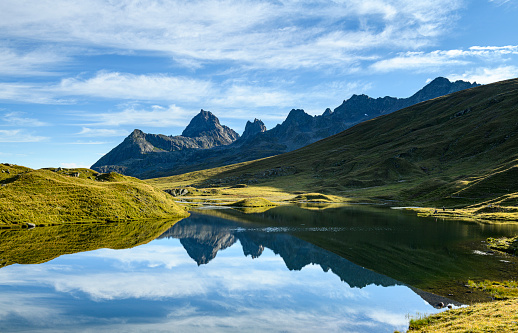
(205, 143)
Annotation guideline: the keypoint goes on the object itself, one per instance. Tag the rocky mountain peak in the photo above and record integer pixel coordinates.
(298, 116)
(206, 124)
(327, 112)
(204, 121)
(251, 129)
(137, 134)
(440, 86)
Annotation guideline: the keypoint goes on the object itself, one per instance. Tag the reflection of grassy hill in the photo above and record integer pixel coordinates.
(457, 150)
(43, 244)
(435, 256)
(54, 196)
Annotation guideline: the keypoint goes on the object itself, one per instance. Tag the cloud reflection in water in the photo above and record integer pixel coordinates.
(158, 287)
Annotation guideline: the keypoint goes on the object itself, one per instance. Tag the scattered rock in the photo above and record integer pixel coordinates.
(177, 192)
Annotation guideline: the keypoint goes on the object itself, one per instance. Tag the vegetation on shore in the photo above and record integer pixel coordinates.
(504, 244)
(498, 290)
(56, 196)
(497, 317)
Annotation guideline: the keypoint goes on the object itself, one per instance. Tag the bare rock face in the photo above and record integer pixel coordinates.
(205, 124)
(252, 129)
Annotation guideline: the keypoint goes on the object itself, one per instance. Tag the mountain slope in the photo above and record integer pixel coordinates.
(458, 149)
(207, 144)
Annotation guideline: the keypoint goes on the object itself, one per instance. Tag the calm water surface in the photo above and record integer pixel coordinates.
(284, 270)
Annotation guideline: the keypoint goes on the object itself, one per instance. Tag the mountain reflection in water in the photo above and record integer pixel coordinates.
(203, 236)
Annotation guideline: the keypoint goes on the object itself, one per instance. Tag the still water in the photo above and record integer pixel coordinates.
(288, 269)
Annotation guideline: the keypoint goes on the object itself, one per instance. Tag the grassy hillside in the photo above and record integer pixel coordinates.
(484, 317)
(54, 196)
(459, 150)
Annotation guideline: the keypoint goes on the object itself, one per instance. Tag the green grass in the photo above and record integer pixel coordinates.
(500, 316)
(497, 316)
(315, 197)
(497, 289)
(55, 196)
(504, 244)
(252, 202)
(457, 151)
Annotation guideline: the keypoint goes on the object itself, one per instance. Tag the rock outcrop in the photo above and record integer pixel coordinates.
(206, 125)
(252, 129)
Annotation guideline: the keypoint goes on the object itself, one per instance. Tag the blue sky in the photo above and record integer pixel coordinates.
(76, 77)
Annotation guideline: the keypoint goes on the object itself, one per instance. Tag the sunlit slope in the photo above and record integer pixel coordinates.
(458, 149)
(54, 196)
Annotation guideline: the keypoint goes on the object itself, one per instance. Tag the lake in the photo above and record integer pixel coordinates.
(287, 269)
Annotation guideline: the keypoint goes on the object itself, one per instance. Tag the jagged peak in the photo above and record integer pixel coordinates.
(327, 112)
(441, 79)
(204, 121)
(297, 114)
(355, 97)
(253, 128)
(136, 134)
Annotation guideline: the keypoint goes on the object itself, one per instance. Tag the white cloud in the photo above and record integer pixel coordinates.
(101, 132)
(17, 119)
(111, 85)
(417, 61)
(423, 61)
(155, 116)
(36, 62)
(502, 2)
(19, 135)
(136, 87)
(74, 165)
(87, 143)
(282, 34)
(30, 93)
(485, 75)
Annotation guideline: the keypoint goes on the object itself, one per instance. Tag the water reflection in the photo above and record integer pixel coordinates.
(434, 255)
(245, 276)
(204, 236)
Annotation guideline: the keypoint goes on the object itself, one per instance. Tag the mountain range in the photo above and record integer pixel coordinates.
(205, 143)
